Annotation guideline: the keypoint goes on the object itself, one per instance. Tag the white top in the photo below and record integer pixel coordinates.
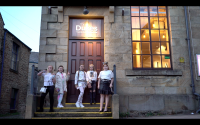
(81, 76)
(106, 75)
(48, 79)
(91, 75)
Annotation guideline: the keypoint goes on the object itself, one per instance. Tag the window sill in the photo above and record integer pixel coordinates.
(130, 72)
(12, 70)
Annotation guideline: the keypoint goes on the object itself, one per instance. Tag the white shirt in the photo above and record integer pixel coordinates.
(48, 79)
(91, 75)
(81, 76)
(106, 75)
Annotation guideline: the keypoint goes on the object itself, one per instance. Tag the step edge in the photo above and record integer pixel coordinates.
(72, 118)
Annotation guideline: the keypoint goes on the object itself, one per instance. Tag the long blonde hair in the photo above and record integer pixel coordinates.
(48, 70)
(93, 67)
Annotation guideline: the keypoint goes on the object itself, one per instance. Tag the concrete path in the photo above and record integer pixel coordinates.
(178, 116)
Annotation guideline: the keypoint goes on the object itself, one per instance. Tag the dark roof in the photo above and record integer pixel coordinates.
(18, 39)
(2, 19)
(34, 57)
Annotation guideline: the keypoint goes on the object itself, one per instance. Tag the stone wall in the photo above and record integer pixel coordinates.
(11, 79)
(118, 51)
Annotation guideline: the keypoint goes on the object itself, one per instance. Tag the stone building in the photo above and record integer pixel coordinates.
(14, 74)
(147, 44)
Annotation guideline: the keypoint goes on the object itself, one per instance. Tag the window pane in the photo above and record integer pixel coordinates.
(163, 22)
(156, 61)
(153, 10)
(154, 22)
(145, 35)
(156, 47)
(143, 11)
(137, 61)
(146, 59)
(162, 10)
(146, 48)
(136, 34)
(165, 47)
(165, 62)
(155, 35)
(164, 35)
(134, 10)
(135, 22)
(136, 47)
(144, 22)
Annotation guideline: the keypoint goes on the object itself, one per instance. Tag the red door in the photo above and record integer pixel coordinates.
(83, 52)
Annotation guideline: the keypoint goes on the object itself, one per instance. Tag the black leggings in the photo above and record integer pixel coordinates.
(50, 89)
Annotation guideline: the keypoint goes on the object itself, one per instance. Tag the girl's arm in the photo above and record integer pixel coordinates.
(98, 83)
(40, 73)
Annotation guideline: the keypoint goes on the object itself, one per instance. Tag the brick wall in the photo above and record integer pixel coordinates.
(12, 79)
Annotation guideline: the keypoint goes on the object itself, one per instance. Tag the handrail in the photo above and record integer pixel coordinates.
(114, 72)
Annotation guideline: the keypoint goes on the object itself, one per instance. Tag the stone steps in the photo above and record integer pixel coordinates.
(73, 109)
(72, 114)
(70, 111)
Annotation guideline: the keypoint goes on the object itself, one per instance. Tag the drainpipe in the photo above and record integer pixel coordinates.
(191, 70)
(2, 61)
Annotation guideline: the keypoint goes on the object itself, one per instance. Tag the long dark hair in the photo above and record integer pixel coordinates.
(59, 67)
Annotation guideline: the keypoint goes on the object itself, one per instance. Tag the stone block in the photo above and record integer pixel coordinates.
(62, 49)
(29, 107)
(130, 90)
(43, 25)
(64, 64)
(109, 50)
(106, 57)
(48, 33)
(178, 34)
(53, 57)
(178, 42)
(65, 19)
(49, 18)
(111, 9)
(121, 26)
(44, 65)
(106, 20)
(62, 33)
(65, 57)
(120, 73)
(123, 49)
(146, 102)
(139, 81)
(42, 57)
(126, 41)
(115, 106)
(44, 9)
(111, 17)
(121, 65)
(115, 42)
(127, 57)
(107, 26)
(60, 16)
(43, 40)
(64, 41)
(175, 12)
(118, 11)
(195, 34)
(116, 57)
(58, 26)
(149, 90)
(47, 49)
(53, 41)
(54, 11)
(60, 8)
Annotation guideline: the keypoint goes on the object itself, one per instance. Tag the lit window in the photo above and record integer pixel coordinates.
(150, 39)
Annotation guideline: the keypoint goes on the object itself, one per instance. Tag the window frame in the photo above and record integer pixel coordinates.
(15, 62)
(150, 41)
(16, 92)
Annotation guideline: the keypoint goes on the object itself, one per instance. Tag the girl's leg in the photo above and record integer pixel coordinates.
(43, 95)
(107, 100)
(94, 92)
(51, 92)
(60, 97)
(101, 101)
(80, 97)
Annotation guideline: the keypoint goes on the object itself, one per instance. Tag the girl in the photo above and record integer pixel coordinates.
(91, 79)
(80, 83)
(61, 86)
(49, 80)
(104, 85)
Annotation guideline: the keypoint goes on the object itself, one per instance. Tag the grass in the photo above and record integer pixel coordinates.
(9, 114)
(126, 114)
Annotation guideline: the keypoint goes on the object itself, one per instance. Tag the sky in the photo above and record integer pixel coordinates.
(24, 22)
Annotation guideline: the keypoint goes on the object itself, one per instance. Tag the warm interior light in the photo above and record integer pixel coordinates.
(144, 36)
(153, 25)
(163, 36)
(136, 50)
(165, 65)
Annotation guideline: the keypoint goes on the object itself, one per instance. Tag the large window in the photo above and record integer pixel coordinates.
(150, 39)
(14, 60)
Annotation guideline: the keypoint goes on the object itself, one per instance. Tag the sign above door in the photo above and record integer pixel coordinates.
(86, 29)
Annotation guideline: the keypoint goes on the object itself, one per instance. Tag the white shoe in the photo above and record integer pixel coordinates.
(81, 105)
(58, 106)
(61, 106)
(77, 104)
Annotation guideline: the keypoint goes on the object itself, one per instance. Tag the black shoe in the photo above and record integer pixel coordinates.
(101, 110)
(94, 101)
(90, 101)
